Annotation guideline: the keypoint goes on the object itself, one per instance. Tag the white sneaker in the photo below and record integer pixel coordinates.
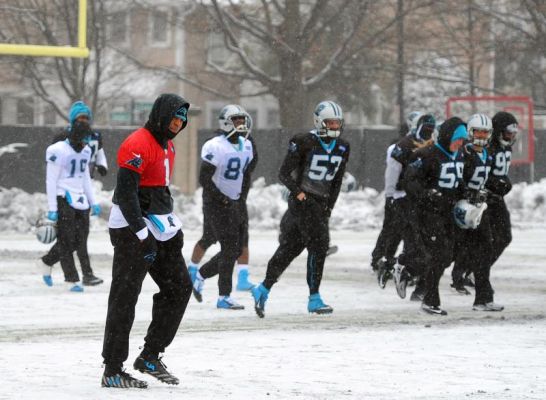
(488, 307)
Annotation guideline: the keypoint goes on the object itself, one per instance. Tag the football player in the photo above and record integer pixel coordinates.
(70, 197)
(312, 171)
(147, 238)
(433, 180)
(227, 162)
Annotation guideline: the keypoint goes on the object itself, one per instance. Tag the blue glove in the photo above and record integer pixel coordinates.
(53, 216)
(95, 209)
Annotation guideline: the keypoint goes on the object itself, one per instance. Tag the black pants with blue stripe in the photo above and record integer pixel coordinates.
(303, 226)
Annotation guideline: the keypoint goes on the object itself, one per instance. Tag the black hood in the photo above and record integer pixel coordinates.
(163, 111)
(446, 131)
(500, 121)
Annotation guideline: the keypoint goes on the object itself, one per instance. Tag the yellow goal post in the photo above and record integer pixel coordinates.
(55, 51)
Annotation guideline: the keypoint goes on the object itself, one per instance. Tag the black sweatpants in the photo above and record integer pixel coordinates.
(472, 253)
(129, 269)
(304, 225)
(501, 228)
(390, 236)
(437, 233)
(406, 220)
(72, 234)
(226, 225)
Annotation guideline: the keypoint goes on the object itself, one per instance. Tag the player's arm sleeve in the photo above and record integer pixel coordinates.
(414, 178)
(101, 159)
(206, 173)
(88, 188)
(338, 180)
(127, 198)
(290, 163)
(53, 171)
(392, 174)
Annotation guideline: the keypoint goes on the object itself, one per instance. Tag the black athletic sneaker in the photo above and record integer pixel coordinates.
(155, 368)
(434, 310)
(91, 280)
(417, 296)
(122, 380)
(459, 288)
(468, 281)
(384, 273)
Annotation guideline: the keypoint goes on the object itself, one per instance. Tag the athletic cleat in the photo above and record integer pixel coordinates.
(317, 306)
(198, 283)
(46, 272)
(75, 287)
(401, 278)
(122, 380)
(243, 284)
(91, 280)
(155, 368)
(227, 303)
(384, 273)
(48, 280)
(417, 296)
(459, 288)
(434, 310)
(260, 294)
(332, 250)
(468, 281)
(488, 307)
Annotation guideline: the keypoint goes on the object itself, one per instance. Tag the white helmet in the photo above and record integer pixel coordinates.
(468, 215)
(225, 119)
(327, 110)
(480, 122)
(412, 119)
(46, 231)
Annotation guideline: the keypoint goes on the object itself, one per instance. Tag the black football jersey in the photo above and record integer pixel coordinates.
(477, 167)
(434, 168)
(314, 167)
(403, 152)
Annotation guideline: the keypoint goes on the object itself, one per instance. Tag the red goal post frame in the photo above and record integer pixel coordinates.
(520, 106)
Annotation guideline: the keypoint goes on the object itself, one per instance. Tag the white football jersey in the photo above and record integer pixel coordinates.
(230, 161)
(68, 176)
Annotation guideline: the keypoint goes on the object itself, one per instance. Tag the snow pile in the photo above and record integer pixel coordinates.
(356, 210)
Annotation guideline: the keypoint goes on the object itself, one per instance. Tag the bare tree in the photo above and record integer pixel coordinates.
(308, 45)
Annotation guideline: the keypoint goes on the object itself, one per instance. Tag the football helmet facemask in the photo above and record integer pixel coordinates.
(479, 122)
(327, 110)
(225, 120)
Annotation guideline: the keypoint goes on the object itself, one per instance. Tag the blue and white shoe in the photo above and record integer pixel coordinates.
(317, 306)
(227, 303)
(75, 287)
(46, 272)
(260, 294)
(198, 283)
(243, 284)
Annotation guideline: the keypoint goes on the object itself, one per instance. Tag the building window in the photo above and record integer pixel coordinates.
(160, 29)
(213, 121)
(25, 111)
(49, 115)
(217, 52)
(119, 27)
(141, 112)
(120, 115)
(273, 118)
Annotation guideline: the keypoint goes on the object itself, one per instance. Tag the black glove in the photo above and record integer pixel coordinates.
(433, 195)
(504, 186)
(102, 170)
(149, 248)
(475, 196)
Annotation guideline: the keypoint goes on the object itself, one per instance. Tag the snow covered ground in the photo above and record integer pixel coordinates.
(374, 345)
